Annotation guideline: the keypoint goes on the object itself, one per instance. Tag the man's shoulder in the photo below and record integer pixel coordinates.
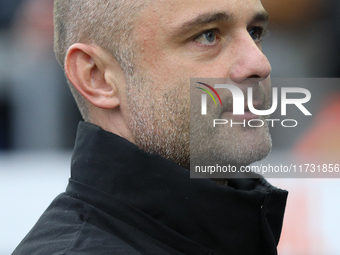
(64, 229)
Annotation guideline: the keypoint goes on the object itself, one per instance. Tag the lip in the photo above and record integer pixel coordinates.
(256, 105)
(248, 115)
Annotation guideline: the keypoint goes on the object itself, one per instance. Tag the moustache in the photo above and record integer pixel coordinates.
(260, 100)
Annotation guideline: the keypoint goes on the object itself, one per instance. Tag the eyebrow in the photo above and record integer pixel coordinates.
(204, 19)
(261, 16)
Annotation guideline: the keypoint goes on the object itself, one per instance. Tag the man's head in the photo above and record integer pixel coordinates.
(132, 62)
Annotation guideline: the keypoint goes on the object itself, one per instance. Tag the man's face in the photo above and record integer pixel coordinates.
(178, 40)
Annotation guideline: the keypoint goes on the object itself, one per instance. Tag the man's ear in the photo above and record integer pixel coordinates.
(88, 68)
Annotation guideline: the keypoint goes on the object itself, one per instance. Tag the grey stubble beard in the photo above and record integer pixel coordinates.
(162, 126)
(159, 126)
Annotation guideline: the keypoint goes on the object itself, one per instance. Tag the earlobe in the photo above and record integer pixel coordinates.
(86, 67)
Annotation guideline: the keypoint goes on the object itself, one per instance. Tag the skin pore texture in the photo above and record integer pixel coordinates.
(172, 50)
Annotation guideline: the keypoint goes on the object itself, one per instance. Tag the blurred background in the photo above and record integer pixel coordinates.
(38, 118)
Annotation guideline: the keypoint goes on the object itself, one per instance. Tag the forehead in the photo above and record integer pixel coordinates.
(176, 12)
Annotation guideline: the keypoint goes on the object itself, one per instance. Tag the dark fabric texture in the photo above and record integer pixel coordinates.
(122, 200)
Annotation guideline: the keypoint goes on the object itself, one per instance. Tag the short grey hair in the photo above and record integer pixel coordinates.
(107, 23)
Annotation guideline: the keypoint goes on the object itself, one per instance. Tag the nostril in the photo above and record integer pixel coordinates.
(250, 63)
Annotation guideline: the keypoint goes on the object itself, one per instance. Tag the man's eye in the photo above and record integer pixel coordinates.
(256, 33)
(207, 38)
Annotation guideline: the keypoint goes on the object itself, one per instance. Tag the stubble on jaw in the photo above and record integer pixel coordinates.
(160, 125)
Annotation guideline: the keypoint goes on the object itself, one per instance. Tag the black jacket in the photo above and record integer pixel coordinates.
(122, 200)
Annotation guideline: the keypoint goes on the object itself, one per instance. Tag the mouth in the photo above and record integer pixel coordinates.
(248, 115)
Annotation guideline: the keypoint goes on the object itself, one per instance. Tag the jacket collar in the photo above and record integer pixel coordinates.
(211, 215)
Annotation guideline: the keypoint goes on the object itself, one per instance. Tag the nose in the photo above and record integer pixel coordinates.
(249, 62)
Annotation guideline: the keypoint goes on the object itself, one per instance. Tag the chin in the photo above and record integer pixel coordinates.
(249, 154)
(251, 147)
(239, 148)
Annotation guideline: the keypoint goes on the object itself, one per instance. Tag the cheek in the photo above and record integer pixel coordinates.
(167, 66)
(165, 70)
